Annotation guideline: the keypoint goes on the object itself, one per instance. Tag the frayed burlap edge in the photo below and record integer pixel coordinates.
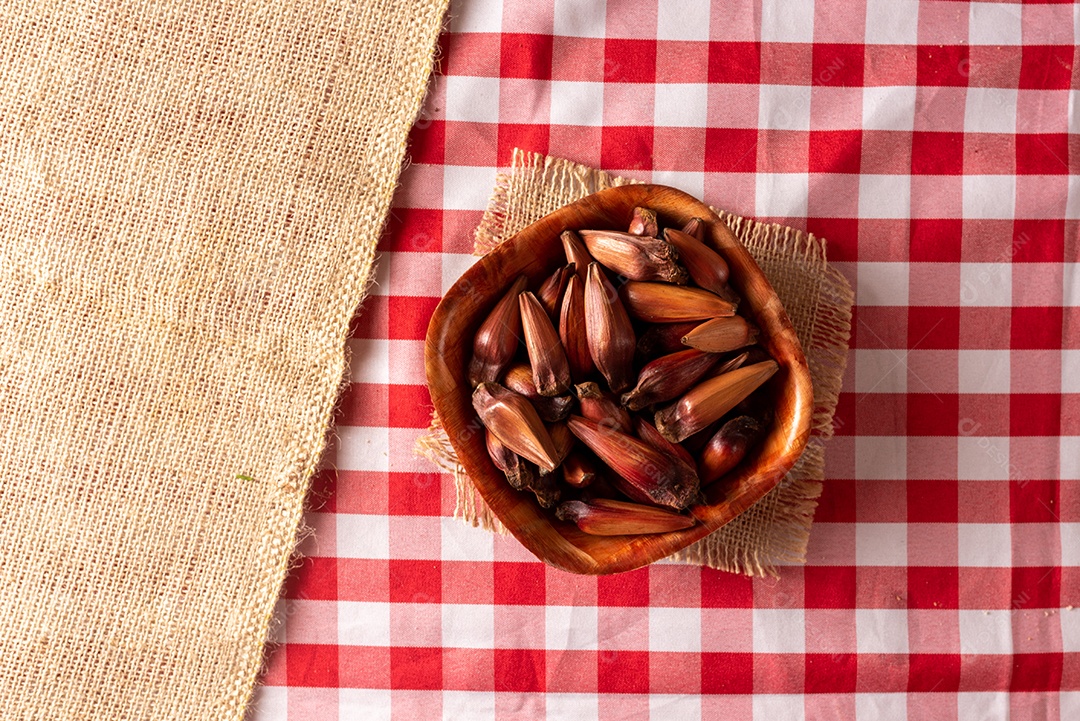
(818, 299)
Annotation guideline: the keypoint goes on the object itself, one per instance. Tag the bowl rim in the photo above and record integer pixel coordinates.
(451, 394)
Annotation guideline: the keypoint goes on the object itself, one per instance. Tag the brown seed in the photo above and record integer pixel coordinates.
(647, 432)
(710, 400)
(551, 290)
(601, 407)
(666, 303)
(635, 257)
(695, 228)
(708, 269)
(641, 472)
(609, 331)
(668, 377)
(519, 378)
(606, 517)
(572, 330)
(496, 340)
(515, 422)
(576, 253)
(720, 335)
(664, 338)
(644, 222)
(546, 489)
(516, 469)
(578, 469)
(727, 448)
(563, 439)
(551, 371)
(731, 364)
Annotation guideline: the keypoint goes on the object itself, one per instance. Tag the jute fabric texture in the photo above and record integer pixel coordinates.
(817, 298)
(190, 196)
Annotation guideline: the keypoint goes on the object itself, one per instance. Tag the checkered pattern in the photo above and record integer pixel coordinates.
(937, 146)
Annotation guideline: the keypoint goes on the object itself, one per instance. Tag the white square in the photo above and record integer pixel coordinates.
(577, 103)
(380, 280)
(1069, 458)
(672, 706)
(784, 107)
(1070, 700)
(1070, 639)
(472, 99)
(682, 20)
(270, 703)
(363, 448)
(881, 544)
(370, 704)
(1072, 203)
(686, 181)
(986, 285)
(681, 105)
(884, 196)
(892, 22)
(994, 24)
(984, 545)
(675, 629)
(983, 371)
(779, 630)
(982, 705)
(408, 365)
(881, 458)
(576, 19)
(570, 628)
(1070, 285)
(881, 630)
(982, 458)
(369, 360)
(476, 17)
(362, 536)
(880, 371)
(990, 110)
(985, 632)
(465, 543)
(891, 107)
(572, 706)
(468, 625)
(408, 462)
(786, 706)
(881, 284)
(787, 22)
(881, 707)
(467, 705)
(363, 623)
(454, 266)
(466, 187)
(989, 196)
(781, 195)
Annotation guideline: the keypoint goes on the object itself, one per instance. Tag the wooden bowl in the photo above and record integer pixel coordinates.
(536, 252)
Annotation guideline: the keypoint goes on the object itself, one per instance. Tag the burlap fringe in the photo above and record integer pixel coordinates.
(818, 298)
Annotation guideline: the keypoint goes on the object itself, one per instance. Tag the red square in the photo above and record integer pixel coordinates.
(411, 316)
(519, 583)
(530, 137)
(311, 665)
(629, 61)
(829, 586)
(730, 150)
(937, 672)
(725, 590)
(427, 141)
(735, 63)
(932, 501)
(1036, 672)
(838, 64)
(1033, 502)
(520, 669)
(363, 404)
(727, 673)
(835, 151)
(831, 672)
(881, 414)
(623, 672)
(626, 148)
(837, 502)
(841, 233)
(942, 65)
(314, 578)
(363, 667)
(415, 581)
(1038, 240)
(475, 54)
(989, 154)
(410, 406)
(936, 240)
(1034, 328)
(932, 414)
(414, 494)
(413, 229)
(372, 319)
(993, 66)
(934, 153)
(624, 589)
(786, 64)
(985, 328)
(1036, 587)
(1042, 153)
(782, 151)
(934, 327)
(526, 56)
(1046, 67)
(1035, 414)
(416, 667)
(933, 587)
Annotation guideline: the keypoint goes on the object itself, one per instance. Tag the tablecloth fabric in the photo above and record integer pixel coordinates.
(936, 145)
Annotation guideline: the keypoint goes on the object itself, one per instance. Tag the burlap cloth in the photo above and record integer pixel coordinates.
(190, 196)
(817, 298)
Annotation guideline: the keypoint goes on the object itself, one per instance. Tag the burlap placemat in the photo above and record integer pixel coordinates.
(817, 298)
(191, 195)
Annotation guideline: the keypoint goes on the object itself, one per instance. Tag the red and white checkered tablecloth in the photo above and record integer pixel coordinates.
(937, 146)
